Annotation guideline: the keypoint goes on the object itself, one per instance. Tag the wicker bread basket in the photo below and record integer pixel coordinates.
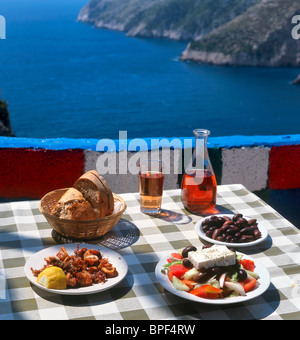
(84, 230)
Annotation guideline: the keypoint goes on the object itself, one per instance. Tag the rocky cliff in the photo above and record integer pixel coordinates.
(222, 32)
(175, 19)
(296, 81)
(5, 125)
(259, 37)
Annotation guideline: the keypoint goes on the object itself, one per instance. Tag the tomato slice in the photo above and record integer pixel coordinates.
(178, 270)
(170, 276)
(177, 256)
(189, 283)
(207, 292)
(249, 285)
(248, 264)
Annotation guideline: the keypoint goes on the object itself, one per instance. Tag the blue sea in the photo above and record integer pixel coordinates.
(62, 78)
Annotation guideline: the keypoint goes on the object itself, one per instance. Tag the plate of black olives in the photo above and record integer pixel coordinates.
(232, 230)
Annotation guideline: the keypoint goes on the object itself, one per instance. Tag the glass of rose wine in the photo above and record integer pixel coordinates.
(151, 182)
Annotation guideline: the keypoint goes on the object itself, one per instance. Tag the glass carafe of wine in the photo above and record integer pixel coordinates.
(199, 185)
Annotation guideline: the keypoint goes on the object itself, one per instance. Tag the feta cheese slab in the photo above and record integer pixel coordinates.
(215, 256)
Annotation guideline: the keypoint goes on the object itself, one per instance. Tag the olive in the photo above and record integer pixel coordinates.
(216, 234)
(244, 239)
(186, 250)
(241, 222)
(252, 222)
(187, 263)
(201, 277)
(206, 246)
(209, 234)
(242, 275)
(247, 231)
(224, 228)
(236, 217)
(257, 234)
(228, 239)
(228, 223)
(205, 228)
(217, 271)
(229, 231)
(238, 235)
(235, 229)
(203, 224)
(207, 222)
(250, 238)
(226, 218)
(220, 221)
(220, 238)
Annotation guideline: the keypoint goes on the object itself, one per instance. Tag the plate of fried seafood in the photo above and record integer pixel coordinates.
(76, 269)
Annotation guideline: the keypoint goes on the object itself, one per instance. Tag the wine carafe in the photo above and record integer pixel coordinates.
(199, 185)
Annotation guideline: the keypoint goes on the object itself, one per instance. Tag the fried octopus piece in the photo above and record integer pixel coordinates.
(36, 272)
(80, 252)
(110, 272)
(71, 281)
(104, 263)
(108, 269)
(78, 265)
(99, 276)
(62, 254)
(84, 279)
(52, 260)
(92, 257)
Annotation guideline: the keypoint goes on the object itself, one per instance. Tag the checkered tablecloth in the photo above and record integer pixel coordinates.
(143, 241)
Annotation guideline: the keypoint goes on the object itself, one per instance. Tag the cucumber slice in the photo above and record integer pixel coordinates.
(171, 263)
(239, 257)
(190, 274)
(254, 275)
(179, 285)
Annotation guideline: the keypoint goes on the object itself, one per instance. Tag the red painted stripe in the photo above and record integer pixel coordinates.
(284, 167)
(33, 173)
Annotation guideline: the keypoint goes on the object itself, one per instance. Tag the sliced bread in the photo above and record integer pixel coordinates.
(94, 192)
(111, 202)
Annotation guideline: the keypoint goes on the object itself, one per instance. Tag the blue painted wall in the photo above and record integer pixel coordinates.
(213, 142)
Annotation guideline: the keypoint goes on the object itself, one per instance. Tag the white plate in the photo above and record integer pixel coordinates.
(262, 228)
(37, 261)
(264, 283)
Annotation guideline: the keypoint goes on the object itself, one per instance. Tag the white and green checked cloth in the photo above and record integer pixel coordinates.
(143, 241)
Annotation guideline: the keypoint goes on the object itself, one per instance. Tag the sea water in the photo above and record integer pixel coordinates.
(63, 78)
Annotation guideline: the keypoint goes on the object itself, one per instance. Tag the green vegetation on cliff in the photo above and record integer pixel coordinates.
(260, 36)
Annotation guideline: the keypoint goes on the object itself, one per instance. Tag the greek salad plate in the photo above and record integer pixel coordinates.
(263, 283)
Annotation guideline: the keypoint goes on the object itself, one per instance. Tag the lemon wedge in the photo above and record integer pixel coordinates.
(53, 278)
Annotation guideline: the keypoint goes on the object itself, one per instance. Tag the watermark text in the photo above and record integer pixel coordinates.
(124, 156)
(296, 29)
(2, 27)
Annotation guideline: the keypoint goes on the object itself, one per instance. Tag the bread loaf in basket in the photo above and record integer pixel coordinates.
(85, 211)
